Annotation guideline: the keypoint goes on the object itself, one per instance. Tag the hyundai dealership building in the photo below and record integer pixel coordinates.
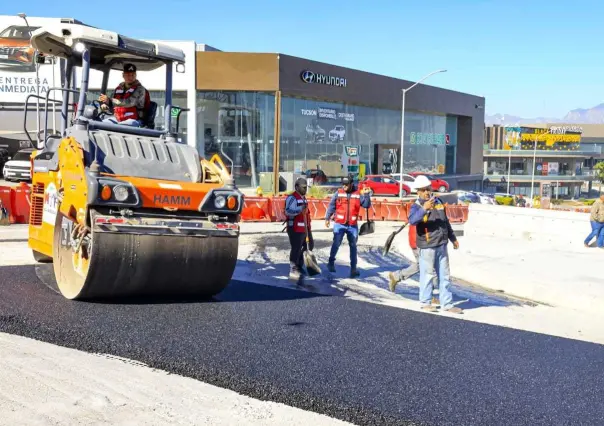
(273, 116)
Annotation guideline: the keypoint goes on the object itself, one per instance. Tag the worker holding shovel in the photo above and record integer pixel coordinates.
(395, 277)
(298, 228)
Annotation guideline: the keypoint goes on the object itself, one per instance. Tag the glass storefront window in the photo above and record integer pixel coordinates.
(334, 139)
(239, 126)
(179, 98)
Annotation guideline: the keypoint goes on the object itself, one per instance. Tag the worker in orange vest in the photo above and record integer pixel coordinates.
(345, 207)
(298, 223)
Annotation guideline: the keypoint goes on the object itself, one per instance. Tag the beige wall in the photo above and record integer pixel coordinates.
(237, 71)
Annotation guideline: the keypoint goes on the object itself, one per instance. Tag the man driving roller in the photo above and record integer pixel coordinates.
(130, 100)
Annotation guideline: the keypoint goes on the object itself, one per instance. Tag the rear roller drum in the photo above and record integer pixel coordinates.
(90, 265)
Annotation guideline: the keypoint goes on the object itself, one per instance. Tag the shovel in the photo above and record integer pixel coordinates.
(4, 219)
(310, 261)
(386, 248)
(368, 227)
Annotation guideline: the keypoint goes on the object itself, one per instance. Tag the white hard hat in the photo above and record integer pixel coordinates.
(422, 182)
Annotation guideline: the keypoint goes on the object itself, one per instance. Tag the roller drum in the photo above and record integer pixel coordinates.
(123, 265)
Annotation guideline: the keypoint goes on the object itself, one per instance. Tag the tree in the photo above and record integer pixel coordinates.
(599, 169)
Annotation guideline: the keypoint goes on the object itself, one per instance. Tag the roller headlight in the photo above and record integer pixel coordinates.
(120, 193)
(219, 202)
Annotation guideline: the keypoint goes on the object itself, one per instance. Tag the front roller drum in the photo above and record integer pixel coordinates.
(112, 265)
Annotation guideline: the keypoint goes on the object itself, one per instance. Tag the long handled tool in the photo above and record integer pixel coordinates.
(368, 227)
(310, 261)
(4, 218)
(386, 248)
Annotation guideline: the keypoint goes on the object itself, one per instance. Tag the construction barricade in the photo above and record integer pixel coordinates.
(278, 209)
(393, 211)
(256, 209)
(455, 213)
(318, 208)
(21, 203)
(17, 202)
(374, 211)
(7, 199)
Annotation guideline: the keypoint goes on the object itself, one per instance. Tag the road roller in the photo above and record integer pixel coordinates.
(123, 210)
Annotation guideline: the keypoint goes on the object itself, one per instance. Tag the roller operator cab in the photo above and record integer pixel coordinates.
(122, 210)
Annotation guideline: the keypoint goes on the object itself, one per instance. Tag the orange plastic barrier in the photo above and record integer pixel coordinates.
(256, 209)
(393, 210)
(374, 211)
(278, 209)
(465, 210)
(455, 213)
(7, 195)
(21, 203)
(318, 208)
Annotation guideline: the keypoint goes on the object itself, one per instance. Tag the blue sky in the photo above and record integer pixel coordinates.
(528, 58)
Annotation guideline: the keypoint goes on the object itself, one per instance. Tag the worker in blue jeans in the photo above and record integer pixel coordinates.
(345, 206)
(434, 232)
(597, 223)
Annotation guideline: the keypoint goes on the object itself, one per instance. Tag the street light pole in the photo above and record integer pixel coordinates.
(400, 188)
(534, 161)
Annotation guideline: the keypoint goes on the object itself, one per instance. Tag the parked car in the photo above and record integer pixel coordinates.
(468, 196)
(438, 184)
(318, 176)
(407, 180)
(18, 168)
(383, 185)
(337, 133)
(16, 52)
(486, 198)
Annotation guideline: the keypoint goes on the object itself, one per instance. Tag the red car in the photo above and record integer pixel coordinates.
(383, 185)
(438, 185)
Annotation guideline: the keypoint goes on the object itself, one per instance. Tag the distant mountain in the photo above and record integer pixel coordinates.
(593, 115)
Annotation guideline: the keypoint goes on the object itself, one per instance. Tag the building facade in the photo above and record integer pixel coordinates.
(543, 160)
(274, 113)
(272, 117)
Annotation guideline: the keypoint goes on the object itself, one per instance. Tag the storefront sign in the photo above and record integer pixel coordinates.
(315, 77)
(419, 138)
(350, 159)
(328, 114)
(562, 130)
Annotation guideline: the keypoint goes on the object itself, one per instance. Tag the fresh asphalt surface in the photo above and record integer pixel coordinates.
(360, 362)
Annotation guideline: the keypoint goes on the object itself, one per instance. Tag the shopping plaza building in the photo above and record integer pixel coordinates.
(273, 117)
(556, 159)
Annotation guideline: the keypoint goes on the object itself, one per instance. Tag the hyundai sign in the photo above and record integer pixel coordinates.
(315, 77)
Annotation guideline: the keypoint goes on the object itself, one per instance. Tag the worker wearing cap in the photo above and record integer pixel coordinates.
(345, 207)
(130, 99)
(434, 232)
(298, 218)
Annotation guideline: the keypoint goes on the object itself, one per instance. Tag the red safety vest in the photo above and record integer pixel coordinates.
(125, 113)
(297, 222)
(347, 213)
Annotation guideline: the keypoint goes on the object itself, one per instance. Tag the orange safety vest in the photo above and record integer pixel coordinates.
(124, 113)
(347, 212)
(297, 222)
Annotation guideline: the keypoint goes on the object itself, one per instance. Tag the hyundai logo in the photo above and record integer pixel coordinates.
(308, 76)
(315, 77)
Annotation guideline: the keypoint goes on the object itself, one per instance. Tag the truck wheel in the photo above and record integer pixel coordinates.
(442, 189)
